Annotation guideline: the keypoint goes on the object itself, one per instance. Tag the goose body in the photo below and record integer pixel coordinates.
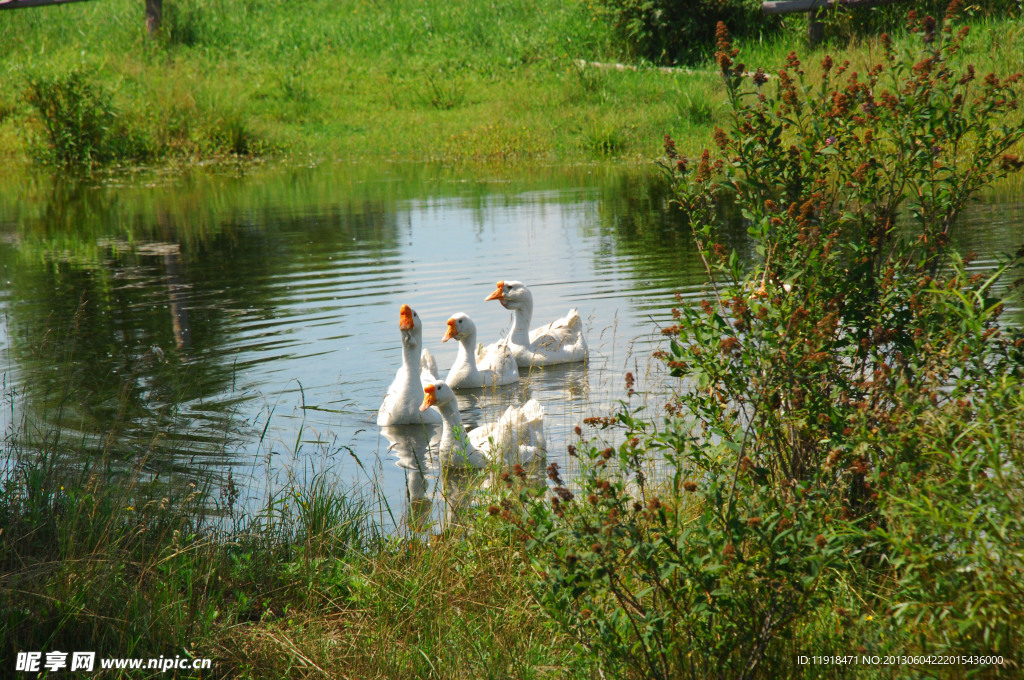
(559, 342)
(517, 437)
(478, 367)
(401, 403)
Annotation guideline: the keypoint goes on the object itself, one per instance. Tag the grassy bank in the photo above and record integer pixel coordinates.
(406, 80)
(117, 563)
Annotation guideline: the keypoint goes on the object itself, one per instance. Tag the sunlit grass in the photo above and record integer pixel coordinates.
(453, 82)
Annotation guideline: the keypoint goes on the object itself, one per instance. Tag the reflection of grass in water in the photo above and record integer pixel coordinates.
(636, 381)
(118, 401)
(91, 221)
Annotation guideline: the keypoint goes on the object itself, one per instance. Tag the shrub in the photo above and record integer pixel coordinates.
(683, 32)
(844, 23)
(675, 32)
(81, 124)
(840, 467)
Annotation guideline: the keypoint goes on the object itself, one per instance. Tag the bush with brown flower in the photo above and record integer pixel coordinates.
(842, 464)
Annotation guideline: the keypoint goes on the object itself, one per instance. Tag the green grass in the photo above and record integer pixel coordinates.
(359, 80)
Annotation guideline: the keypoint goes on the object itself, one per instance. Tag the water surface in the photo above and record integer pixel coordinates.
(246, 320)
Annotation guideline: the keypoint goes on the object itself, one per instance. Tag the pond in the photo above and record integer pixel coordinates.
(242, 322)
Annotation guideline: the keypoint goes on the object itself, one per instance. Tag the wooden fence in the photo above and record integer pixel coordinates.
(815, 28)
(18, 4)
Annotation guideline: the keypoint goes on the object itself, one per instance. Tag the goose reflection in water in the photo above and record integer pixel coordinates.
(411, 446)
(447, 489)
(436, 494)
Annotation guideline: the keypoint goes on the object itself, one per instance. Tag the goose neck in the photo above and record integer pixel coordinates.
(411, 354)
(522, 314)
(451, 420)
(467, 351)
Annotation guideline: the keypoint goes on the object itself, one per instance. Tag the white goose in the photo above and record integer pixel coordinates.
(560, 342)
(478, 367)
(517, 437)
(401, 403)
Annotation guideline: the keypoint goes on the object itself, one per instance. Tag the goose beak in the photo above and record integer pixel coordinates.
(452, 333)
(499, 294)
(405, 318)
(429, 397)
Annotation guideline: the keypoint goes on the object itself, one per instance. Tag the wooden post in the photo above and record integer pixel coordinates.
(815, 26)
(154, 15)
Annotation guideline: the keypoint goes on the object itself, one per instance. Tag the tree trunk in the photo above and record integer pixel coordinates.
(154, 15)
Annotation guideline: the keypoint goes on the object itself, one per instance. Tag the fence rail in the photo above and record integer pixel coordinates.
(790, 6)
(19, 4)
(814, 8)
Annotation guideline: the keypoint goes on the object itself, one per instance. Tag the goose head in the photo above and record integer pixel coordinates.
(437, 394)
(512, 295)
(462, 328)
(410, 325)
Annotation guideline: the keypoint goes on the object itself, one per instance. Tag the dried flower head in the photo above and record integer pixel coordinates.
(670, 147)
(724, 52)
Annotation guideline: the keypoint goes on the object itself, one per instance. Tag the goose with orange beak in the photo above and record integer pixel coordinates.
(517, 437)
(475, 366)
(401, 403)
(559, 342)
